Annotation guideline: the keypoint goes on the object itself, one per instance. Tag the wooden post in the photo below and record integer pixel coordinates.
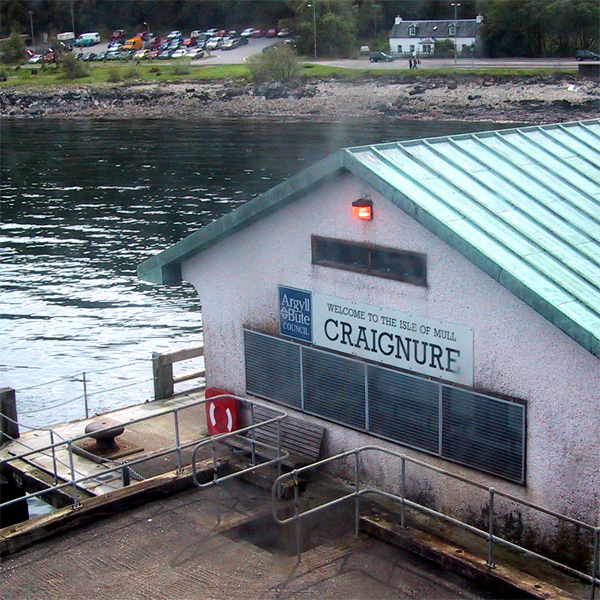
(163, 376)
(9, 428)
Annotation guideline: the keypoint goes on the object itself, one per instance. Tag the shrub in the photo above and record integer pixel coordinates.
(278, 63)
(3, 74)
(182, 66)
(130, 73)
(13, 50)
(73, 68)
(114, 75)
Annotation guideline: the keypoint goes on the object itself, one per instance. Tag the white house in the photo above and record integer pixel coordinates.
(419, 37)
(459, 324)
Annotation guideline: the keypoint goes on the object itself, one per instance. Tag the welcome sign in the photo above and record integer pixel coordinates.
(419, 344)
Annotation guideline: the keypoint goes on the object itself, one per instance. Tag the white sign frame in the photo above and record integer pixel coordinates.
(427, 346)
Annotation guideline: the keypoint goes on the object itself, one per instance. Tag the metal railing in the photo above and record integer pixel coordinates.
(75, 478)
(280, 454)
(488, 535)
(79, 389)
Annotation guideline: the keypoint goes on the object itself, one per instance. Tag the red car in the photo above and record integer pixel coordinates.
(258, 33)
(272, 33)
(117, 35)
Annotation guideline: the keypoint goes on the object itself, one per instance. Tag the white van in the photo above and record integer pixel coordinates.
(88, 39)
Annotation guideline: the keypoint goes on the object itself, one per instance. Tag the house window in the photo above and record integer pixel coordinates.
(452, 30)
(399, 49)
(427, 48)
(400, 265)
(412, 48)
(412, 31)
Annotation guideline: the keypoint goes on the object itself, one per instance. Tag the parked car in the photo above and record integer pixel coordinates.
(259, 33)
(174, 35)
(587, 55)
(118, 35)
(113, 55)
(35, 59)
(247, 32)
(101, 55)
(272, 33)
(190, 42)
(214, 43)
(194, 53)
(87, 39)
(179, 53)
(115, 46)
(211, 32)
(377, 56)
(231, 43)
(285, 32)
(142, 54)
(165, 54)
(89, 56)
(155, 43)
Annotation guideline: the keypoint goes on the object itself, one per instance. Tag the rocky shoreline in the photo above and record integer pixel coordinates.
(534, 100)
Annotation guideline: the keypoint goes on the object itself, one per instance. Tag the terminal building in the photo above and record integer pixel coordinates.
(440, 297)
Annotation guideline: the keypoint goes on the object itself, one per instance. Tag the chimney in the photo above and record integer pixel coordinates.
(479, 19)
(397, 20)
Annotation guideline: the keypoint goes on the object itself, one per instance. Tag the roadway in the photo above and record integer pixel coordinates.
(256, 45)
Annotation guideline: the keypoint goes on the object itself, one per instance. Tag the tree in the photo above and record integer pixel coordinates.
(13, 49)
(444, 47)
(73, 68)
(336, 26)
(279, 63)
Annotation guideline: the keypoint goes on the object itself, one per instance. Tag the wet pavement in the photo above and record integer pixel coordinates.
(173, 549)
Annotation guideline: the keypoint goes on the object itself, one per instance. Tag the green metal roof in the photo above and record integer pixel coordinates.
(521, 204)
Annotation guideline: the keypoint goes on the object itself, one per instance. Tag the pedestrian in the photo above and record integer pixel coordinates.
(410, 62)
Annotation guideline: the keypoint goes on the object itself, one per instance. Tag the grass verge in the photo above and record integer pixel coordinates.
(156, 71)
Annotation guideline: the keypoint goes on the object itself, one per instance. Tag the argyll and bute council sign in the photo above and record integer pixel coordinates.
(398, 339)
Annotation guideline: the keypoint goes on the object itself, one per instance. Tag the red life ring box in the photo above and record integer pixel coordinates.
(222, 414)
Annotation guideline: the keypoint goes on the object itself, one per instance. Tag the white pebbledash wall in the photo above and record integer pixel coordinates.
(516, 351)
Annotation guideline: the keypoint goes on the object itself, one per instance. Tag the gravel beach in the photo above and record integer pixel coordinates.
(520, 99)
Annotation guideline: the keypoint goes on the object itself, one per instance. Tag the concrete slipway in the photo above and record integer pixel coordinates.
(171, 546)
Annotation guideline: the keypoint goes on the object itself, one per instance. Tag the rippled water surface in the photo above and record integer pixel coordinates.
(83, 202)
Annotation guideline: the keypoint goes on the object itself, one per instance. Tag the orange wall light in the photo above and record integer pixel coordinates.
(363, 209)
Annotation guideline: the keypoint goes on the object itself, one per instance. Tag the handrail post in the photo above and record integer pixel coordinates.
(73, 482)
(85, 397)
(54, 467)
(297, 516)
(595, 566)
(490, 561)
(252, 422)
(178, 440)
(403, 495)
(216, 480)
(356, 492)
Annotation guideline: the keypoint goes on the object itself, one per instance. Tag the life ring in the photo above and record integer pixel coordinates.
(222, 414)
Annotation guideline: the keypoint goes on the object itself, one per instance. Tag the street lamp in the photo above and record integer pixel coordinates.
(314, 7)
(147, 27)
(31, 21)
(456, 5)
(72, 19)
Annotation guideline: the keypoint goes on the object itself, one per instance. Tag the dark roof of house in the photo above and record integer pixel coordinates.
(436, 29)
(521, 204)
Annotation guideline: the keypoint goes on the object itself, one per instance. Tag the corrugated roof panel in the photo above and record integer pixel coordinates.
(530, 204)
(526, 200)
(540, 161)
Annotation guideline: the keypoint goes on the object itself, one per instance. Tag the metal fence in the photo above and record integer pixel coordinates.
(488, 534)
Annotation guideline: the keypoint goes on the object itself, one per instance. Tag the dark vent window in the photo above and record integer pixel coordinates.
(409, 267)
